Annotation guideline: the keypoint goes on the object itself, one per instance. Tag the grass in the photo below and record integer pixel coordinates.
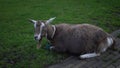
(17, 47)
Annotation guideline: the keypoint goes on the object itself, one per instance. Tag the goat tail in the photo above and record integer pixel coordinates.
(116, 33)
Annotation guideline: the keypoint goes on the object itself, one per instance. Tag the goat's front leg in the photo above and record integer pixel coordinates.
(52, 48)
(57, 49)
(89, 55)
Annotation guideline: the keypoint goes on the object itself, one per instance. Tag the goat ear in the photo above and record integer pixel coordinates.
(32, 21)
(50, 20)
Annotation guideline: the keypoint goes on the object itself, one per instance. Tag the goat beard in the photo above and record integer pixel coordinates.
(39, 44)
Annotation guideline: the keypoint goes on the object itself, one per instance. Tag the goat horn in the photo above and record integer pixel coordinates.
(50, 20)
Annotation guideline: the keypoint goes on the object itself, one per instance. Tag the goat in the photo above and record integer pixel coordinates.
(83, 39)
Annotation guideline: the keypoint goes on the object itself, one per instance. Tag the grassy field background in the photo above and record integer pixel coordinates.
(17, 46)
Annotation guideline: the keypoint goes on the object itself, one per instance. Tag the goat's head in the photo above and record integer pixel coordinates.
(40, 29)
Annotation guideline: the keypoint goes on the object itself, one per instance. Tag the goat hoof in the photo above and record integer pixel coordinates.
(82, 58)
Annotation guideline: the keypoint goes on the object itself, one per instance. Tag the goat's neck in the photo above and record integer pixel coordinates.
(50, 32)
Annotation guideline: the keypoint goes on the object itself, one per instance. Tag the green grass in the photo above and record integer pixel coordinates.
(17, 47)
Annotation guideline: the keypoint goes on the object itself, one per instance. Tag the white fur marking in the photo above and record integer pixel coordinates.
(104, 49)
(109, 41)
(52, 47)
(89, 55)
(41, 27)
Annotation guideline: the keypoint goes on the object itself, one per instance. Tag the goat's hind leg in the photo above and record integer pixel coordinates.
(97, 52)
(101, 48)
(89, 55)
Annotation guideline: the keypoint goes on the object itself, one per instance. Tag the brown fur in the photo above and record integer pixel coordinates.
(77, 39)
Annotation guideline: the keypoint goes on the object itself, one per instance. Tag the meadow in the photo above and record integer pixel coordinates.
(17, 45)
